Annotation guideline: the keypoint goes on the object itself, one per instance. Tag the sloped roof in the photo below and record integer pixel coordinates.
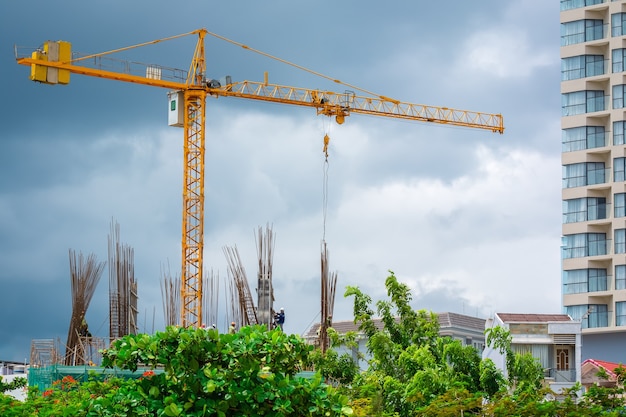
(608, 366)
(446, 320)
(532, 318)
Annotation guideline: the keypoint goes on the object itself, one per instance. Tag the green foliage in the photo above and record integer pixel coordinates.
(204, 374)
(65, 399)
(491, 379)
(17, 383)
(207, 373)
(525, 373)
(411, 365)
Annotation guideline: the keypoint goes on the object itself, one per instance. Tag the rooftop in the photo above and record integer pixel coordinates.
(532, 318)
(446, 320)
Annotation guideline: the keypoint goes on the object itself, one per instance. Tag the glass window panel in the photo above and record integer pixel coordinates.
(620, 313)
(575, 210)
(618, 59)
(597, 279)
(619, 205)
(578, 312)
(596, 208)
(574, 139)
(575, 281)
(595, 101)
(584, 244)
(618, 169)
(595, 173)
(575, 4)
(618, 132)
(598, 316)
(596, 137)
(617, 24)
(618, 96)
(620, 277)
(574, 175)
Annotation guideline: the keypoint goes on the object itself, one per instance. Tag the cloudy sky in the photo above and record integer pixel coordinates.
(469, 219)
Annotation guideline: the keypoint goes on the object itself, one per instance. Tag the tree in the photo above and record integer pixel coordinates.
(524, 372)
(411, 365)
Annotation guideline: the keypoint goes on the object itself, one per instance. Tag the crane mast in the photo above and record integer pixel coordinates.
(54, 63)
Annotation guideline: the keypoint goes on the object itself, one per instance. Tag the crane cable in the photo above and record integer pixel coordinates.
(325, 181)
(300, 67)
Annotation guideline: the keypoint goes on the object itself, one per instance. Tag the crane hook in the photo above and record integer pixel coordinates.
(326, 142)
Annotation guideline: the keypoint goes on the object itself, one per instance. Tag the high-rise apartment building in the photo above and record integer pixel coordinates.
(593, 122)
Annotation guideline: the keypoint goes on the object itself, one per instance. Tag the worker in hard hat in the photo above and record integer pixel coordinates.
(232, 329)
(279, 318)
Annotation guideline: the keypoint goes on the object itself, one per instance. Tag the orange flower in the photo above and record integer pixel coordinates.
(47, 392)
(148, 374)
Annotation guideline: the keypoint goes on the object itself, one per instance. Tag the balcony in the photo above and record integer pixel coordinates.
(591, 177)
(590, 69)
(590, 34)
(592, 105)
(591, 213)
(560, 375)
(588, 285)
(592, 141)
(576, 4)
(596, 319)
(592, 248)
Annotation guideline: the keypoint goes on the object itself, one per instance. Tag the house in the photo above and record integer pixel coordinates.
(467, 329)
(554, 339)
(10, 370)
(591, 368)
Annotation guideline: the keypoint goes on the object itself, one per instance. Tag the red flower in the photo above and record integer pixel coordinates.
(148, 374)
(47, 392)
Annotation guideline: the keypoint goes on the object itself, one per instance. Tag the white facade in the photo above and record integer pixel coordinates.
(11, 370)
(593, 122)
(553, 339)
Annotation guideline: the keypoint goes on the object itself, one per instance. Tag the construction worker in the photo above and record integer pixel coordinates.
(279, 318)
(232, 329)
(84, 328)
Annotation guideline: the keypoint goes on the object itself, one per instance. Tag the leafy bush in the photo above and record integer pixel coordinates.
(200, 373)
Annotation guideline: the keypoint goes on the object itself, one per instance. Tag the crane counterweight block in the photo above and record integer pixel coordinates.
(52, 51)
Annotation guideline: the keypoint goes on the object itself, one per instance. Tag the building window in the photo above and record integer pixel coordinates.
(618, 24)
(581, 102)
(620, 277)
(583, 137)
(584, 244)
(618, 96)
(620, 240)
(618, 60)
(620, 313)
(578, 281)
(584, 209)
(619, 205)
(538, 351)
(582, 66)
(619, 167)
(584, 173)
(581, 31)
(575, 4)
(591, 315)
(618, 132)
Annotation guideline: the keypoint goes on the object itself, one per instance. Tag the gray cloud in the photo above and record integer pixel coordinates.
(451, 211)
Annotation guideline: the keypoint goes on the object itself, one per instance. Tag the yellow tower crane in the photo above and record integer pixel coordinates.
(54, 62)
